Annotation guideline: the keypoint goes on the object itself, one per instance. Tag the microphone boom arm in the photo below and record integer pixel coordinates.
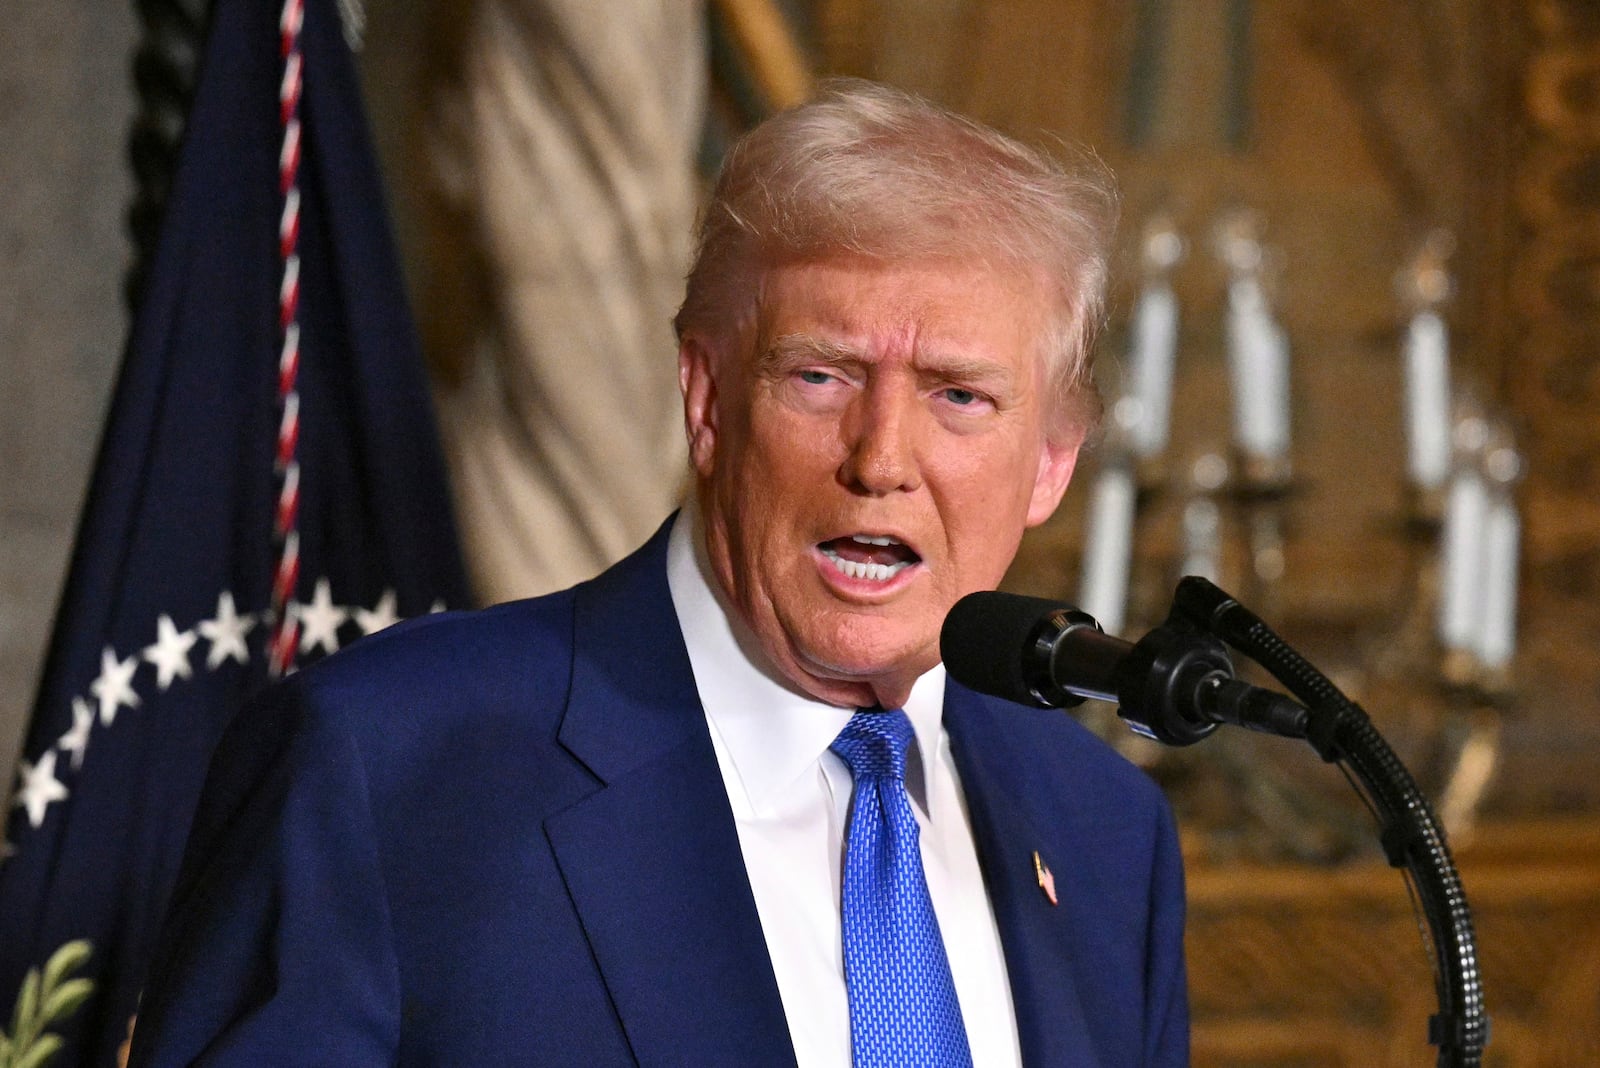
(1412, 837)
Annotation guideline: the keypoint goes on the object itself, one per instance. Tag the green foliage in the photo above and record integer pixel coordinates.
(45, 999)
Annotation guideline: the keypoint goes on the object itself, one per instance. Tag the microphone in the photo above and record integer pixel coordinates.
(1175, 685)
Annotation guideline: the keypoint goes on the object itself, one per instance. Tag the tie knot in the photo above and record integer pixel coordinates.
(874, 743)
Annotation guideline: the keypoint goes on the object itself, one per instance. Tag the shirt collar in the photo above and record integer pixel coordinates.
(773, 732)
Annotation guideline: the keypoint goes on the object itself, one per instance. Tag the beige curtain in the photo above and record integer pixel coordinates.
(558, 140)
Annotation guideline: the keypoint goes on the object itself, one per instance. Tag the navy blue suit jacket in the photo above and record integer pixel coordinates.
(502, 838)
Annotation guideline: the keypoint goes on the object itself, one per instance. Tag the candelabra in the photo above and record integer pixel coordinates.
(1441, 659)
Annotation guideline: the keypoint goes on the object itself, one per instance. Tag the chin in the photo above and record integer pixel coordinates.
(859, 650)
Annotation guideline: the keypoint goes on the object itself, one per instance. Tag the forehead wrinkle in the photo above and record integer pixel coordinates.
(932, 357)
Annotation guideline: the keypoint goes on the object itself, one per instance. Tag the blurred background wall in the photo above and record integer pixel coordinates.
(66, 98)
(1344, 133)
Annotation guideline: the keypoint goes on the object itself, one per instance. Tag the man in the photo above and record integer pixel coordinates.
(720, 805)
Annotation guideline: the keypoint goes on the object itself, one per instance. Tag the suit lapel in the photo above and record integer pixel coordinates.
(1035, 935)
(652, 859)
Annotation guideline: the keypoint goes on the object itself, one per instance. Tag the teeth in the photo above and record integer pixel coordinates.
(866, 539)
(871, 572)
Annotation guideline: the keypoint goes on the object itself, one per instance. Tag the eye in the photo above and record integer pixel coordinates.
(815, 378)
(962, 397)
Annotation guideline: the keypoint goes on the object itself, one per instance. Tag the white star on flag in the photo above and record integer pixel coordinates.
(114, 687)
(170, 653)
(385, 615)
(226, 633)
(39, 787)
(320, 620)
(76, 739)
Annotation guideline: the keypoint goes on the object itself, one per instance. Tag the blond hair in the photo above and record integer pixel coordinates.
(868, 170)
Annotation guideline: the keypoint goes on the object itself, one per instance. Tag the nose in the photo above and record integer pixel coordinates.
(880, 438)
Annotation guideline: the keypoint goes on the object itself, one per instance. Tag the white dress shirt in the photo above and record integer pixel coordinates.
(791, 798)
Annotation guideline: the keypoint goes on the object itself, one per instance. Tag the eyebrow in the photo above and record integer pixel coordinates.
(790, 350)
(956, 368)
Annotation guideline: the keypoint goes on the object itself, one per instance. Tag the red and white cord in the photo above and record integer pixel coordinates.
(285, 533)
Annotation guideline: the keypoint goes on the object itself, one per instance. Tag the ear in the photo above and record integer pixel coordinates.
(1057, 460)
(698, 383)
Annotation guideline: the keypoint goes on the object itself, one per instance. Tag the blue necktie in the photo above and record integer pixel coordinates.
(903, 1007)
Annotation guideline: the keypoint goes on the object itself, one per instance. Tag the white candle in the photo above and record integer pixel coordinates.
(1427, 376)
(1155, 343)
(1108, 552)
(1277, 388)
(1461, 590)
(1497, 628)
(1258, 364)
(1202, 539)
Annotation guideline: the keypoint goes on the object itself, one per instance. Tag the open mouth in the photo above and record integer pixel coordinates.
(873, 557)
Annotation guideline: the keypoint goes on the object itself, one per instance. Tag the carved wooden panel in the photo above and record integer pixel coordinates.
(1554, 368)
(1301, 966)
(1023, 65)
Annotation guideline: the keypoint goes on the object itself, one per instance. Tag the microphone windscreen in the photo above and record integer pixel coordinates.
(987, 638)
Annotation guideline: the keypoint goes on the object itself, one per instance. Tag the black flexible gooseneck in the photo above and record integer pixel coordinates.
(1412, 837)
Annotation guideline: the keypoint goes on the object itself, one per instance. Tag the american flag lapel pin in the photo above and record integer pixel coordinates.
(1047, 881)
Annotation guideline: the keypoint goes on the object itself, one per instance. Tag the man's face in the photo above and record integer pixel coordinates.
(870, 452)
